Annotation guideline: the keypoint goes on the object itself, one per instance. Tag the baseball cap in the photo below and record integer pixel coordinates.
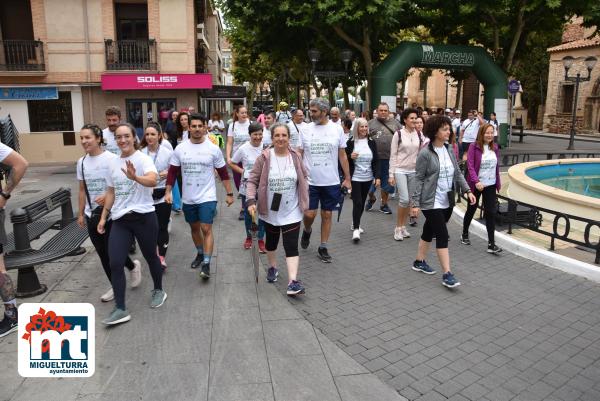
(457, 111)
(448, 110)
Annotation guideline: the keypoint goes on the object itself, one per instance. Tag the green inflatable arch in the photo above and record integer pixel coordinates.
(414, 54)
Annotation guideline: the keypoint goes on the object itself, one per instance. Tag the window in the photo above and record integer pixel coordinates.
(567, 97)
(51, 115)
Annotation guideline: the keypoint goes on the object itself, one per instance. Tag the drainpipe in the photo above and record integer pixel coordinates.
(88, 60)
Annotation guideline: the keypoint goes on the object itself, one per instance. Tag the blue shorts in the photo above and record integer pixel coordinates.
(384, 173)
(202, 212)
(328, 196)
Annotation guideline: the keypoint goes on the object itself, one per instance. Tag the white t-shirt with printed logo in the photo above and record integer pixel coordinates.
(247, 154)
(129, 195)
(295, 130)
(95, 169)
(487, 168)
(4, 151)
(470, 128)
(161, 161)
(110, 143)
(445, 178)
(198, 162)
(239, 132)
(267, 140)
(283, 180)
(362, 164)
(321, 144)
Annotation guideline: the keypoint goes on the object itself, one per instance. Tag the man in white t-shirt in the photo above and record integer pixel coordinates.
(456, 122)
(468, 131)
(297, 125)
(322, 146)
(113, 118)
(18, 166)
(196, 160)
(334, 116)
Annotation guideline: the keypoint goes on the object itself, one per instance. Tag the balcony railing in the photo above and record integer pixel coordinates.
(22, 55)
(130, 55)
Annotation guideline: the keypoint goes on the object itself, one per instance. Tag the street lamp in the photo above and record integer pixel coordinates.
(345, 55)
(590, 62)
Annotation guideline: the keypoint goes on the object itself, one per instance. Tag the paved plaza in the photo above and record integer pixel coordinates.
(368, 324)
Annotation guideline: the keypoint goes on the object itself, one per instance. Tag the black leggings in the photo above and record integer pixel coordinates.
(163, 214)
(360, 190)
(290, 232)
(435, 226)
(489, 207)
(100, 242)
(144, 228)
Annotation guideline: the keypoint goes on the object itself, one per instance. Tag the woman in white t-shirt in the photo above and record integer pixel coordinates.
(152, 145)
(483, 177)
(130, 179)
(237, 134)
(247, 155)
(91, 174)
(277, 189)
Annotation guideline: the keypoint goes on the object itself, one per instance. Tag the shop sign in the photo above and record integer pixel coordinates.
(112, 82)
(29, 93)
(224, 92)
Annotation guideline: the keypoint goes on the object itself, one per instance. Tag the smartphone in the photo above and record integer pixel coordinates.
(276, 202)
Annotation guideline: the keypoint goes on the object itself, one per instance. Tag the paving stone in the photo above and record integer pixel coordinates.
(340, 363)
(246, 392)
(299, 334)
(365, 387)
(306, 377)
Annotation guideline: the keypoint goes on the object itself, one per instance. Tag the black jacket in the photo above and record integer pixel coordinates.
(374, 162)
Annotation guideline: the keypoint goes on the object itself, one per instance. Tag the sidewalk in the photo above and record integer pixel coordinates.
(226, 339)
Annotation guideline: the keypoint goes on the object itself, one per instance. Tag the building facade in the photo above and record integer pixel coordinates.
(63, 62)
(577, 43)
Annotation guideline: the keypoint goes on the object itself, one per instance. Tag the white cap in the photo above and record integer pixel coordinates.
(457, 111)
(448, 110)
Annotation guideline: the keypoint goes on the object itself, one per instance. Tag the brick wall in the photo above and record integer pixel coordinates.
(561, 123)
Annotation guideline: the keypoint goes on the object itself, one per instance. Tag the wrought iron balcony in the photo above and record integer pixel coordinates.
(132, 55)
(22, 55)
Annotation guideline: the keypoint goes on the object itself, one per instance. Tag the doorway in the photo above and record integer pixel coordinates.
(141, 111)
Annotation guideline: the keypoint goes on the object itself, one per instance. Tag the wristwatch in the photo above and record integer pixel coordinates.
(5, 195)
(229, 194)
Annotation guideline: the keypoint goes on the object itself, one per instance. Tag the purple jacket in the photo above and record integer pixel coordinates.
(258, 180)
(474, 155)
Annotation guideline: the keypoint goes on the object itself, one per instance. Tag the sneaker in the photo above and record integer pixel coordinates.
(135, 275)
(405, 232)
(295, 288)
(324, 255)
(178, 211)
(163, 262)
(261, 246)
(158, 298)
(8, 325)
(369, 205)
(248, 243)
(117, 316)
(495, 249)
(205, 271)
(356, 236)
(305, 240)
(359, 228)
(108, 296)
(412, 221)
(398, 234)
(385, 209)
(198, 261)
(423, 267)
(272, 275)
(241, 215)
(448, 280)
(464, 239)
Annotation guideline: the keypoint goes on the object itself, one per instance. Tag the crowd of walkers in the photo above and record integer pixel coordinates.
(286, 172)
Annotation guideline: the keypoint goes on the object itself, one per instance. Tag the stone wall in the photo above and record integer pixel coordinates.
(561, 123)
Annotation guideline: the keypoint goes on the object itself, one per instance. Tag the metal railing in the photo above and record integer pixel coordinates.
(510, 157)
(22, 55)
(130, 55)
(525, 215)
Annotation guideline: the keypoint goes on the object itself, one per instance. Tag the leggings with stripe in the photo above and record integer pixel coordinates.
(290, 233)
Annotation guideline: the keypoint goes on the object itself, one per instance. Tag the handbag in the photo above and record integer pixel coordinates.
(96, 212)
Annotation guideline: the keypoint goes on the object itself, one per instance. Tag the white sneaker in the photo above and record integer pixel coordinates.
(356, 235)
(398, 234)
(135, 275)
(359, 228)
(405, 232)
(108, 296)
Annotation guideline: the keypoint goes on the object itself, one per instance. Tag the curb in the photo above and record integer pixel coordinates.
(519, 248)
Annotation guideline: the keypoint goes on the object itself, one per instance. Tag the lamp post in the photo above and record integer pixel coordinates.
(345, 55)
(446, 99)
(590, 62)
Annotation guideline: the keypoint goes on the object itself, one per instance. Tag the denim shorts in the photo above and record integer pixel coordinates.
(327, 196)
(384, 173)
(202, 212)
